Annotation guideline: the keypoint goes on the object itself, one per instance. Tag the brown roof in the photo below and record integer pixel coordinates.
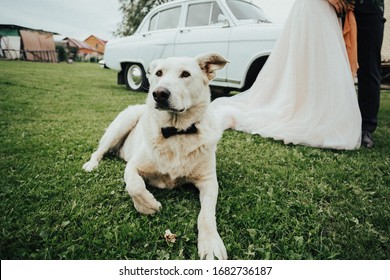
(18, 27)
(79, 44)
(103, 42)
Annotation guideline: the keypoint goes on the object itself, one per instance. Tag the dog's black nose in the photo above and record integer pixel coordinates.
(161, 95)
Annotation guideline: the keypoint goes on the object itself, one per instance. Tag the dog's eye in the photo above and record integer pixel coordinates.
(159, 73)
(185, 74)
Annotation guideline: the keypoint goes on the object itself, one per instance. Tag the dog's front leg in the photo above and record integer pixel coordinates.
(143, 200)
(210, 244)
(119, 128)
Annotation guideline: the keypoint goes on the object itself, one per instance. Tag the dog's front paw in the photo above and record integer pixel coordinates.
(90, 165)
(145, 203)
(211, 247)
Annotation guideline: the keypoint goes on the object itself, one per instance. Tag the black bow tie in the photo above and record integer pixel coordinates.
(172, 131)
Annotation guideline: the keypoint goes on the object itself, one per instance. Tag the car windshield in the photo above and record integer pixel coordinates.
(246, 11)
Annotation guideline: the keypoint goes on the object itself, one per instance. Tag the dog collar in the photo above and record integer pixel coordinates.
(172, 131)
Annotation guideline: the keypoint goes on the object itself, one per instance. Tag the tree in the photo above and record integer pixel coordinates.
(133, 13)
(61, 52)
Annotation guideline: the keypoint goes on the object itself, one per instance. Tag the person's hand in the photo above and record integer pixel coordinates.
(340, 6)
(351, 6)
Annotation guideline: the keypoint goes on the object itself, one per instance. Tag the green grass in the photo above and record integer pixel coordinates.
(276, 201)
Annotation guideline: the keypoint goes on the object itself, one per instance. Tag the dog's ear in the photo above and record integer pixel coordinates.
(210, 62)
(152, 67)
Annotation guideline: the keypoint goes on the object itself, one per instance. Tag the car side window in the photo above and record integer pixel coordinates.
(246, 11)
(167, 19)
(203, 14)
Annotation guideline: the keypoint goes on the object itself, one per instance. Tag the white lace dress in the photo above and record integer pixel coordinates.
(305, 93)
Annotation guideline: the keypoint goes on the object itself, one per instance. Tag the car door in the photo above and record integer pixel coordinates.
(159, 33)
(205, 29)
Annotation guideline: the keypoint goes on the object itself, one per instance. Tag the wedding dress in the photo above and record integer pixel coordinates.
(305, 93)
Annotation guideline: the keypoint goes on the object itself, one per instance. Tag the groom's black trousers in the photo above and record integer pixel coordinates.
(370, 37)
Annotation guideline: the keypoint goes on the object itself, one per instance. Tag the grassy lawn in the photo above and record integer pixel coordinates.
(275, 202)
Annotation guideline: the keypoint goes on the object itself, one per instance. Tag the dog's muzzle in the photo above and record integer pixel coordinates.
(162, 98)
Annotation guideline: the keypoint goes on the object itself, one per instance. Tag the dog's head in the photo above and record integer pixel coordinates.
(178, 84)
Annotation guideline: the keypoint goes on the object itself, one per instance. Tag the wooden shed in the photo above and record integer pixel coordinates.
(79, 49)
(19, 42)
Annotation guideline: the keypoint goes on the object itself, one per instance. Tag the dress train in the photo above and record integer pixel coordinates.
(305, 93)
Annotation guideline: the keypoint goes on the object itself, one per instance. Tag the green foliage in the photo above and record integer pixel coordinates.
(61, 52)
(133, 13)
(276, 201)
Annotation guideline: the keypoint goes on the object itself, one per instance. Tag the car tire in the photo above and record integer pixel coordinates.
(135, 78)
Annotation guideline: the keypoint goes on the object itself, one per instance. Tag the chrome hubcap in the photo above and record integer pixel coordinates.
(134, 77)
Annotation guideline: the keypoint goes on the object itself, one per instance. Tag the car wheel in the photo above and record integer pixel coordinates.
(135, 78)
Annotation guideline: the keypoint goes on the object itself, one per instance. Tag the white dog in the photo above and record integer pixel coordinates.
(171, 140)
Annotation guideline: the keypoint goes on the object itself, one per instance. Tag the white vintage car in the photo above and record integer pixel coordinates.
(236, 29)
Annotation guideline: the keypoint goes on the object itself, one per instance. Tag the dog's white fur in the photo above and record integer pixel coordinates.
(165, 163)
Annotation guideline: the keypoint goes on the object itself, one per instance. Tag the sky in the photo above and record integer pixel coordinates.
(81, 18)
